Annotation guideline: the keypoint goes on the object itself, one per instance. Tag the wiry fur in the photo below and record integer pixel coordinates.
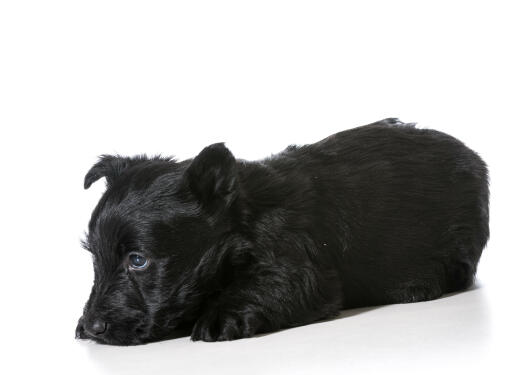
(383, 213)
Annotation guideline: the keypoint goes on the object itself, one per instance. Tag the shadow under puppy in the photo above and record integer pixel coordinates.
(223, 249)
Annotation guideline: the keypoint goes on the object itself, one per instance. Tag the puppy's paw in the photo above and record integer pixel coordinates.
(217, 325)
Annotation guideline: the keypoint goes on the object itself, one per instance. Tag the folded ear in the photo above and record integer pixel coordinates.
(212, 175)
(111, 167)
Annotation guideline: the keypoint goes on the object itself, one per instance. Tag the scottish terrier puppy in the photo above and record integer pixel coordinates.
(222, 249)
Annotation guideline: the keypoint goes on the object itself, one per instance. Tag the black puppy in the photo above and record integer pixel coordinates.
(222, 249)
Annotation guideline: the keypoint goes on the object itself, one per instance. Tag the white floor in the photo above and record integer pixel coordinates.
(452, 333)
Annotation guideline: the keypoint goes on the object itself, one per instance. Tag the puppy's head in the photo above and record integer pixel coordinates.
(156, 240)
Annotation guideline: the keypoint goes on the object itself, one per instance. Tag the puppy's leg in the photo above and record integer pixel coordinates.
(221, 322)
(240, 311)
(414, 292)
(267, 301)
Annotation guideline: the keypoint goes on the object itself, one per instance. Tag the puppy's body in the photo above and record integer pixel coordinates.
(384, 213)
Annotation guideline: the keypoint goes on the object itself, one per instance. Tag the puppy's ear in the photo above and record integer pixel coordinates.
(109, 166)
(212, 175)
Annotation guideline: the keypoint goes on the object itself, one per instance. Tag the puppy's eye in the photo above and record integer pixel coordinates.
(137, 262)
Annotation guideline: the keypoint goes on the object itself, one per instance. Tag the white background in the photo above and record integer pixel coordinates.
(83, 78)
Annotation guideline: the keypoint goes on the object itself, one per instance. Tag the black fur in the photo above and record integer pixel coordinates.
(384, 213)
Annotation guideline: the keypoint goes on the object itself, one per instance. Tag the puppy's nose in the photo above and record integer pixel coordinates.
(96, 327)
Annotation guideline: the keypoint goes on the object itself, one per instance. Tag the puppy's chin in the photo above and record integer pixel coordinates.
(130, 340)
(106, 340)
(127, 338)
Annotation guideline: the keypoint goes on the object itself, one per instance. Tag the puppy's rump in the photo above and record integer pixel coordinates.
(415, 209)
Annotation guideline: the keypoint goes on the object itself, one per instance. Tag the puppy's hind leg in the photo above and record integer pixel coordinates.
(415, 291)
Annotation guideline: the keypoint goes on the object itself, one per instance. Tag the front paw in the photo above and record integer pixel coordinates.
(217, 325)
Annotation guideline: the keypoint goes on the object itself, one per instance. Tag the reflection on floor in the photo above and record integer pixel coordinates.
(453, 332)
